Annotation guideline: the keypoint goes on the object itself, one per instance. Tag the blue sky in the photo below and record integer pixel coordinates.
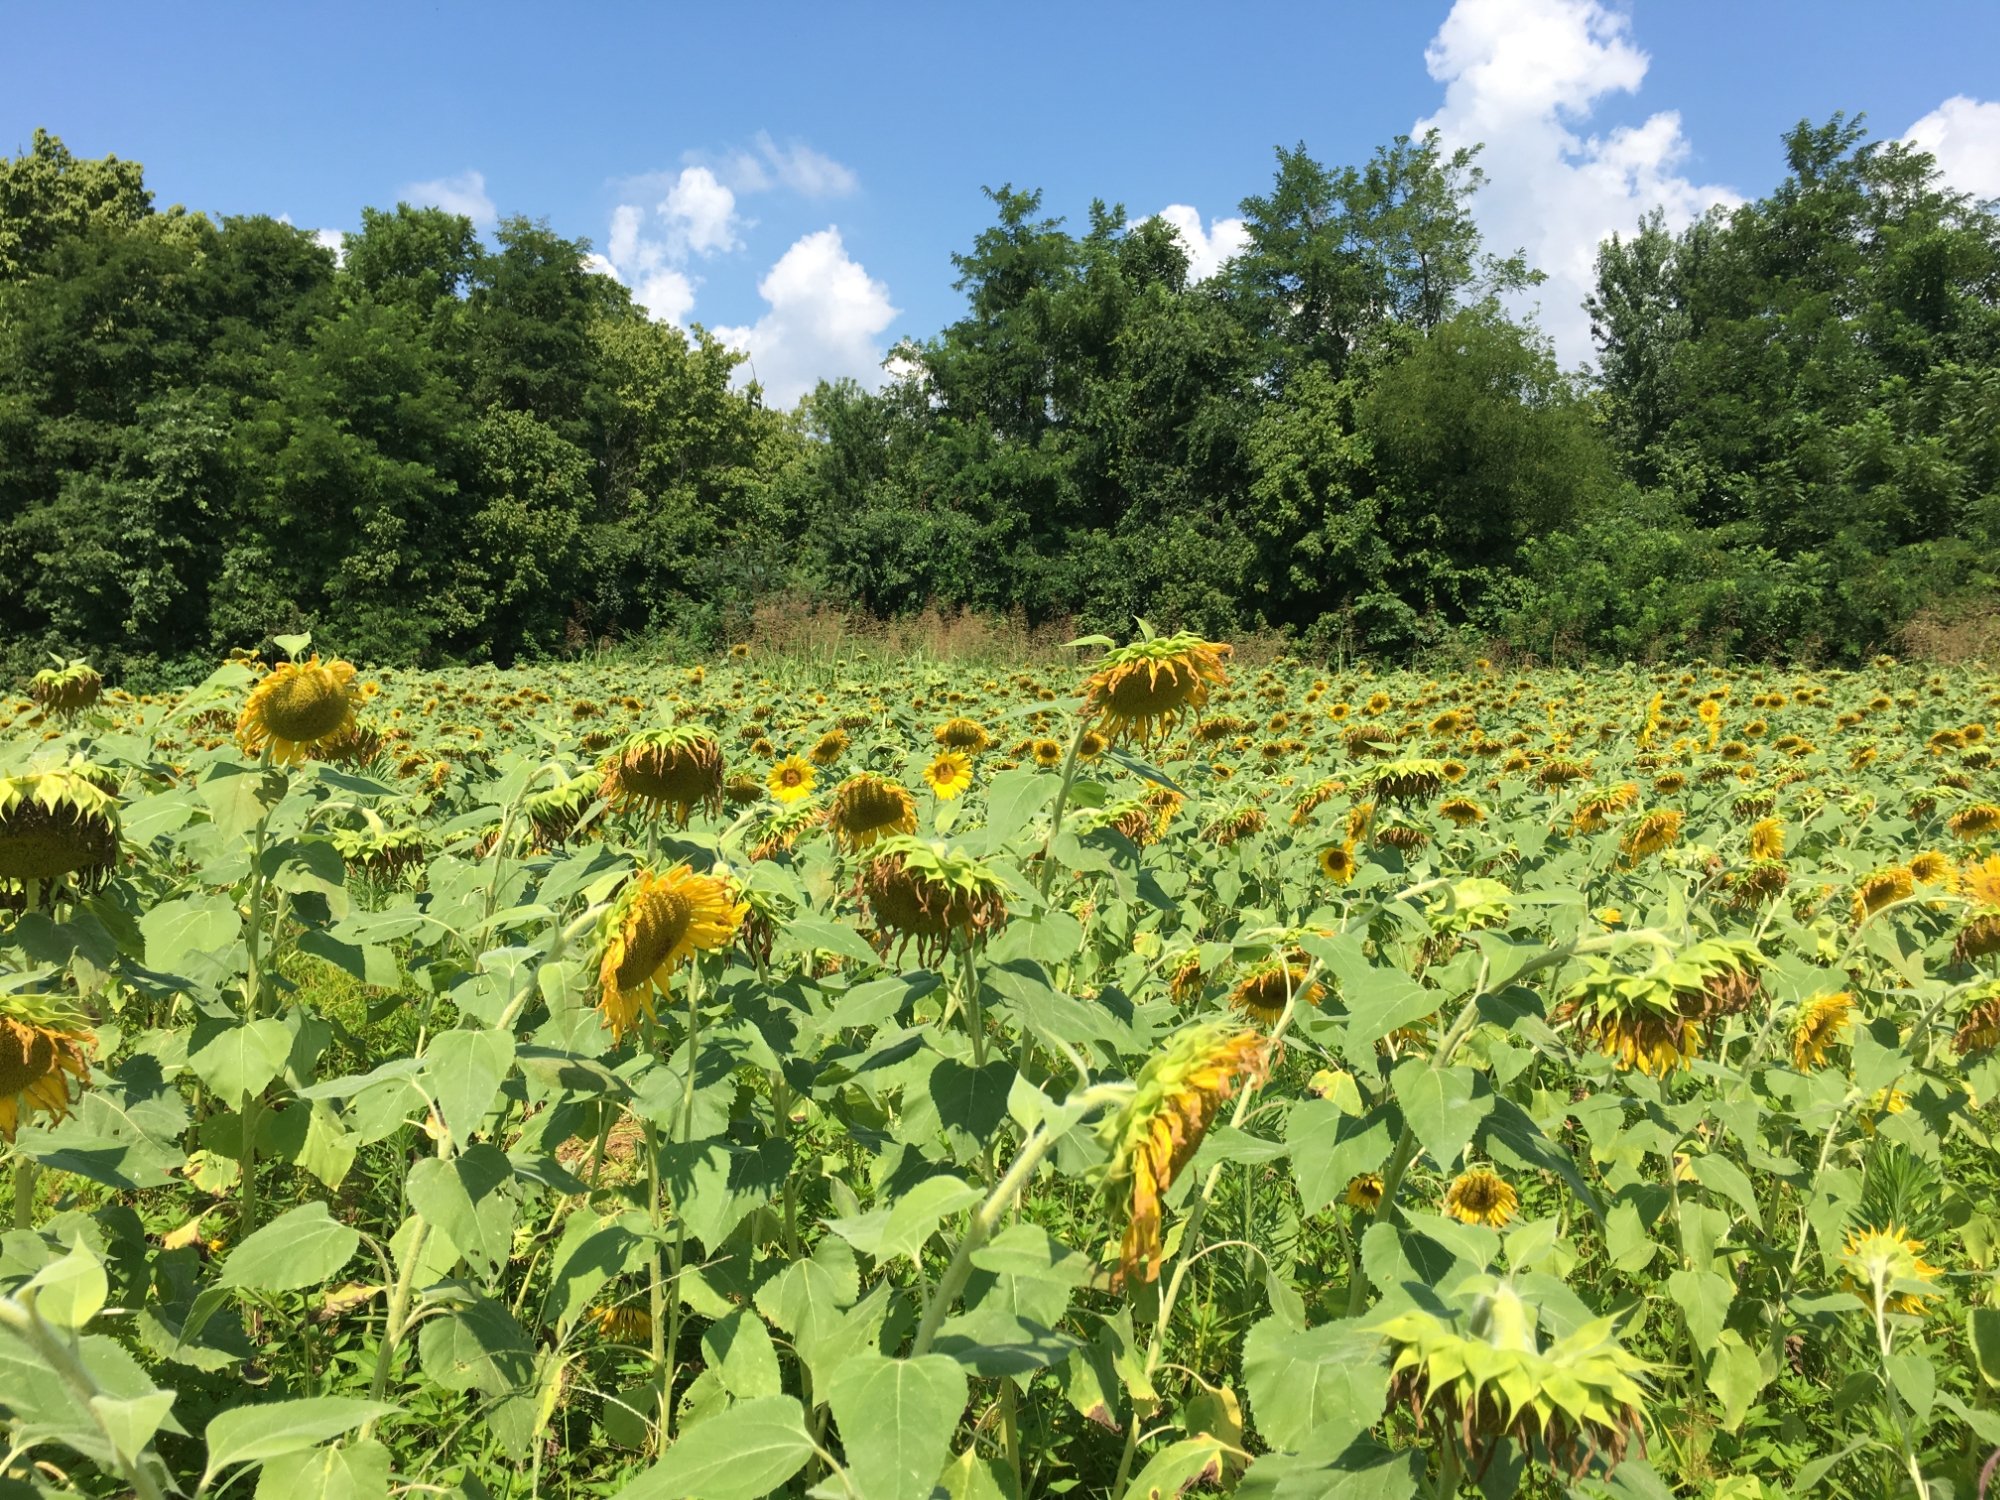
(799, 175)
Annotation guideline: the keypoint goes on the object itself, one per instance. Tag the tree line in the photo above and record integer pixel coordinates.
(431, 448)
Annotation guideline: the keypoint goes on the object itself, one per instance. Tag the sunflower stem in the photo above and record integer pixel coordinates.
(24, 1192)
(1047, 871)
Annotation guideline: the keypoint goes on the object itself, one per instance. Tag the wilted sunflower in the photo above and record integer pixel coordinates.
(1979, 938)
(1178, 1095)
(667, 772)
(1461, 812)
(1653, 1019)
(1313, 797)
(1880, 888)
(1235, 825)
(41, 1050)
(1479, 1196)
(949, 774)
(1265, 991)
(554, 814)
(1979, 1024)
(297, 707)
(58, 825)
(962, 734)
(743, 790)
(1974, 822)
(1594, 813)
(1145, 688)
(67, 689)
(381, 851)
(658, 922)
(791, 779)
(1480, 1372)
(1364, 1191)
(929, 895)
(868, 807)
(828, 748)
(1655, 831)
(1820, 1024)
(778, 834)
(1889, 1264)
(1405, 780)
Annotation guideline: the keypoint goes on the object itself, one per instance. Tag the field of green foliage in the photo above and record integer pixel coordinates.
(1145, 1071)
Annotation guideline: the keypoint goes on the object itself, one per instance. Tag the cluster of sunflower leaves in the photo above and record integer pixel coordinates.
(891, 1079)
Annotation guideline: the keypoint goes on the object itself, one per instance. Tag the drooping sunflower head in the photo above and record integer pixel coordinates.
(1818, 1027)
(1655, 831)
(778, 834)
(59, 824)
(948, 774)
(1888, 1264)
(43, 1049)
(1461, 812)
(742, 789)
(383, 852)
(1975, 822)
(1266, 990)
(298, 707)
(932, 896)
(664, 772)
(1654, 1019)
(1481, 1196)
(67, 689)
(963, 734)
(554, 814)
(1399, 781)
(658, 922)
(1143, 689)
(868, 808)
(1177, 1096)
(1481, 1371)
(1880, 888)
(1978, 1020)
(828, 748)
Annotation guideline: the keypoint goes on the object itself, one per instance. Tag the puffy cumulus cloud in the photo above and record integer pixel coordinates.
(1524, 76)
(334, 240)
(1206, 251)
(464, 194)
(650, 246)
(1964, 135)
(825, 320)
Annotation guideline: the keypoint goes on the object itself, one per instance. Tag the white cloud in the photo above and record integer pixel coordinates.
(810, 173)
(1524, 76)
(599, 265)
(334, 240)
(1964, 135)
(1206, 252)
(700, 215)
(666, 294)
(826, 318)
(464, 194)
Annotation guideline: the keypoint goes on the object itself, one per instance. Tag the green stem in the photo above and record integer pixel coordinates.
(24, 1192)
(19, 1317)
(1047, 872)
(397, 1318)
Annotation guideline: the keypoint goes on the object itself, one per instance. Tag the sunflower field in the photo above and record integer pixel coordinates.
(1145, 1073)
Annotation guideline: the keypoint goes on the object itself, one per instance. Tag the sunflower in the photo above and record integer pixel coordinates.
(1092, 746)
(1337, 863)
(962, 734)
(929, 895)
(622, 1325)
(1479, 1196)
(1979, 938)
(664, 771)
(1364, 1191)
(1406, 780)
(868, 807)
(1461, 812)
(298, 707)
(1145, 688)
(1979, 1028)
(1974, 822)
(1820, 1024)
(1655, 831)
(1263, 994)
(1981, 882)
(1047, 754)
(1767, 839)
(743, 789)
(1932, 868)
(59, 824)
(554, 814)
(828, 748)
(791, 779)
(1177, 1097)
(41, 1050)
(1888, 1264)
(1882, 888)
(67, 688)
(658, 922)
(1477, 1371)
(949, 774)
